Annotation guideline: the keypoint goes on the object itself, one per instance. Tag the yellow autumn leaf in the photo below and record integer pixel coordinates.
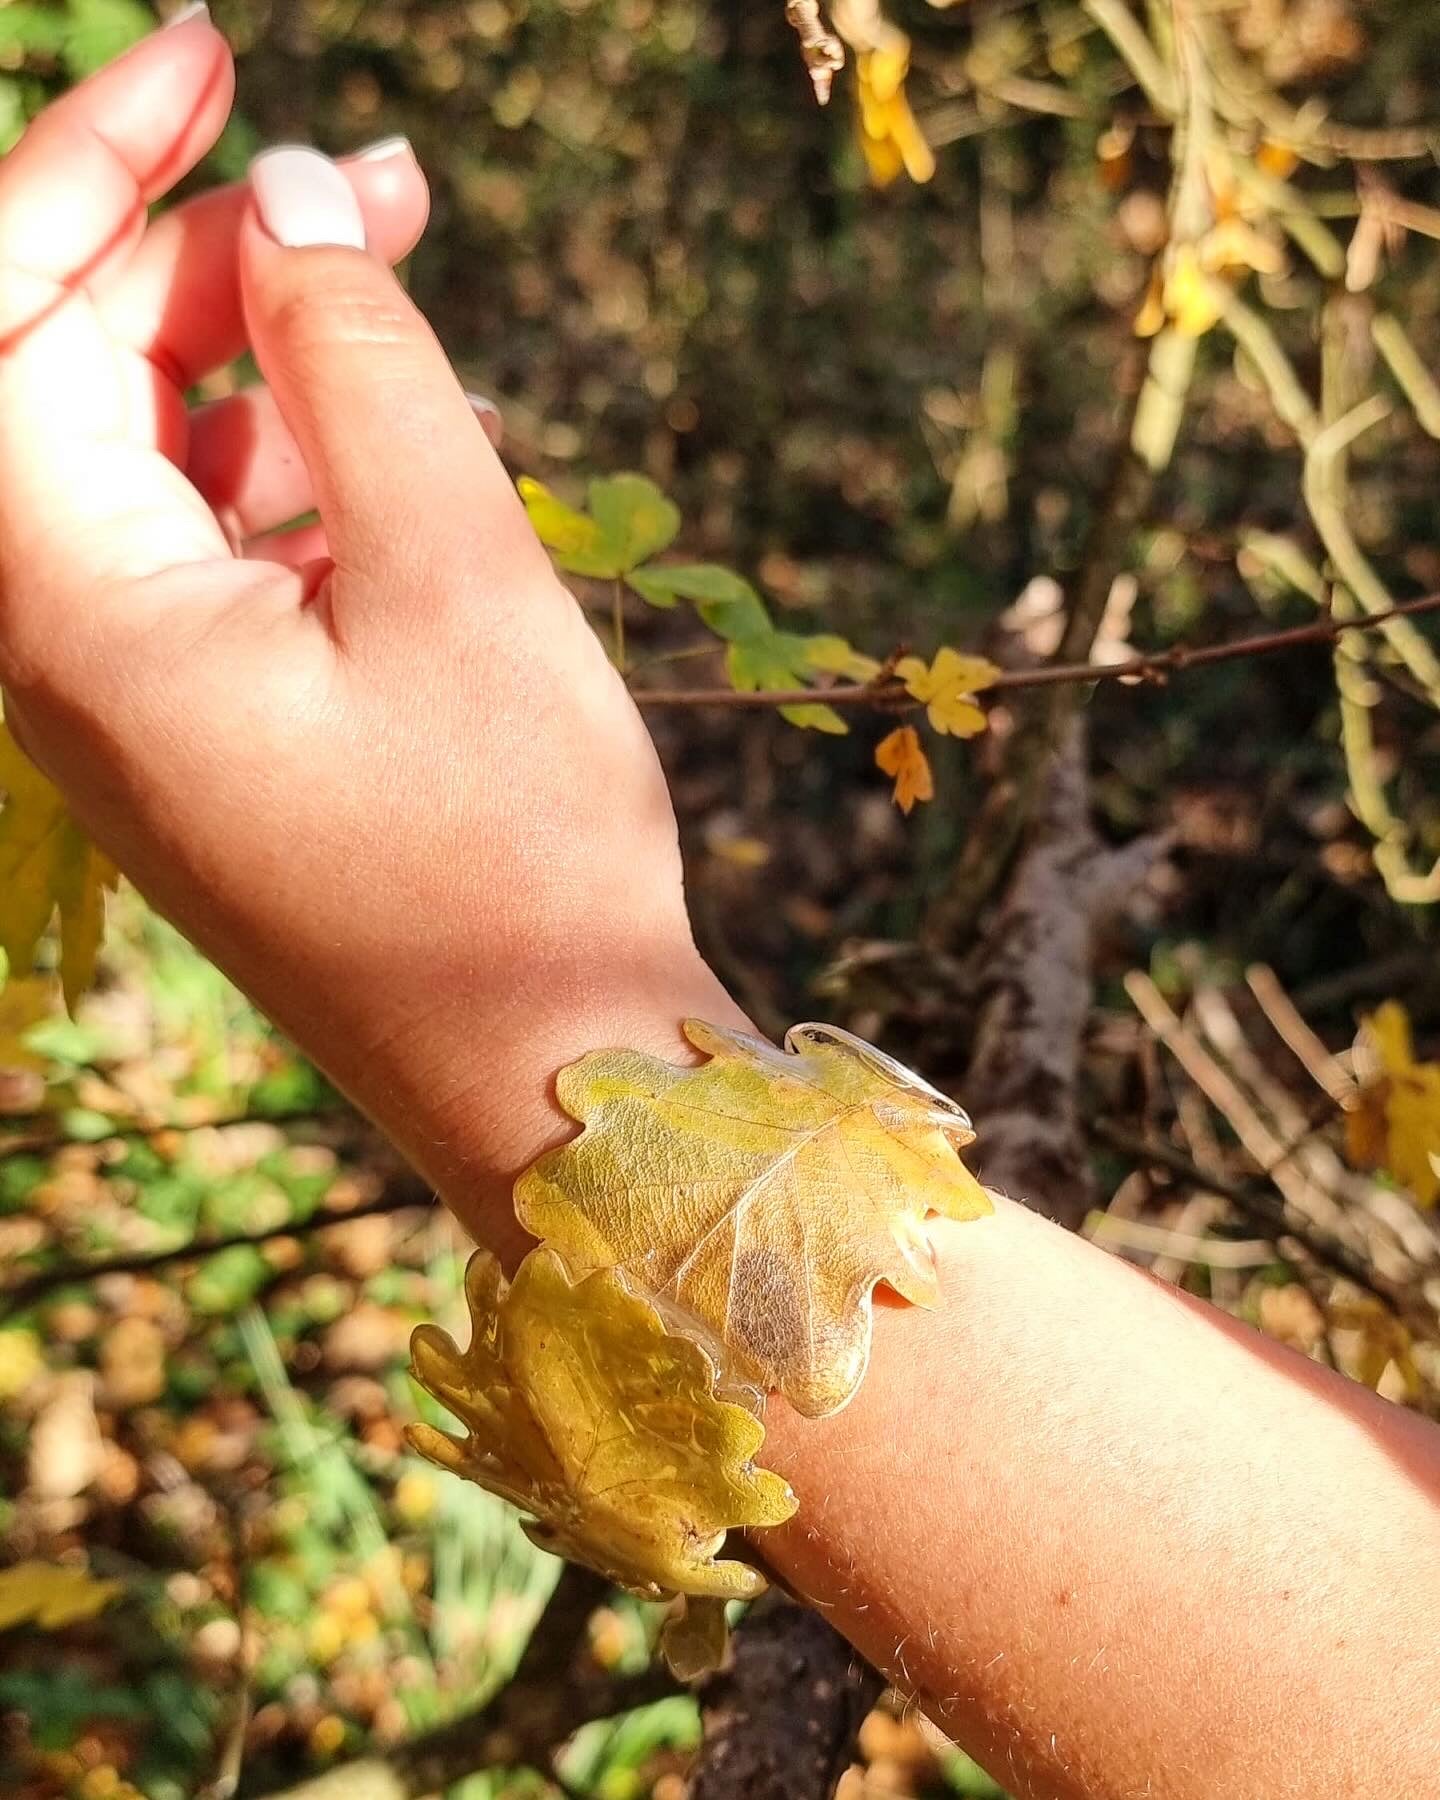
(1394, 1123)
(694, 1636)
(1190, 296)
(890, 137)
(51, 1595)
(834, 655)
(901, 756)
(763, 1195)
(947, 689)
(24, 1002)
(21, 1361)
(47, 867)
(584, 1411)
(1233, 244)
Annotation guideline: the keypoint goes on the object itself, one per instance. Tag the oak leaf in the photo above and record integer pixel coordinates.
(947, 689)
(763, 1194)
(584, 1411)
(47, 867)
(900, 755)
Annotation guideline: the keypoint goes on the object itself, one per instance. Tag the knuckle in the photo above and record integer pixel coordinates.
(318, 320)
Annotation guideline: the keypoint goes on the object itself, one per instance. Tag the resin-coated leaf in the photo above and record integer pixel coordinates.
(582, 1409)
(763, 1194)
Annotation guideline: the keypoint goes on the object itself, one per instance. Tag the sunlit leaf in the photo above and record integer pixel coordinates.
(763, 1194)
(48, 867)
(634, 516)
(585, 1412)
(833, 655)
(1394, 1123)
(628, 519)
(694, 1636)
(901, 756)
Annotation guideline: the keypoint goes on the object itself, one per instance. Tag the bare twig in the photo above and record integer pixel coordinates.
(781, 1719)
(1153, 666)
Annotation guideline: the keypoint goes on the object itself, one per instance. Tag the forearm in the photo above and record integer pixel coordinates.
(1116, 1542)
(1122, 1545)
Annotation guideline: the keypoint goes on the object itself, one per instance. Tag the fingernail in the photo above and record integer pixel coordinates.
(303, 199)
(488, 413)
(199, 10)
(383, 149)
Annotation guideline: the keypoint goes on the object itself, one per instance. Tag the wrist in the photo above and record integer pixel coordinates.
(467, 1091)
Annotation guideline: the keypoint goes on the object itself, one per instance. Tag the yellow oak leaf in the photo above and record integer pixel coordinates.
(900, 755)
(47, 866)
(584, 1411)
(694, 1637)
(763, 1195)
(948, 687)
(51, 1595)
(1394, 1123)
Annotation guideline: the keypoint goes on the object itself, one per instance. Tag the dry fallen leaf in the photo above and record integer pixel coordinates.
(763, 1194)
(901, 756)
(51, 1595)
(582, 1410)
(1394, 1123)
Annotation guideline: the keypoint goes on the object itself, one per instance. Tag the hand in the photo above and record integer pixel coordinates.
(379, 768)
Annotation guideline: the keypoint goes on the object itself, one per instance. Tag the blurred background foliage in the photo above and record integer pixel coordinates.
(896, 408)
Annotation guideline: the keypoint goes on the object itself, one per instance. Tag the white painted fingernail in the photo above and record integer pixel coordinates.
(489, 415)
(304, 200)
(199, 10)
(383, 149)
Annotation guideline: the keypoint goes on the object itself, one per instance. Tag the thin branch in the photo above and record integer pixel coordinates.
(400, 1194)
(1157, 665)
(1262, 1208)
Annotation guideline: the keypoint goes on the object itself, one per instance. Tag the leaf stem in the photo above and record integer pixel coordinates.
(890, 694)
(618, 615)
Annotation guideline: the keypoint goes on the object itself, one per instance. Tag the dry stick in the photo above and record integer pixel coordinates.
(1303, 1044)
(401, 1193)
(781, 1719)
(1151, 666)
(1263, 1209)
(552, 1693)
(1264, 1147)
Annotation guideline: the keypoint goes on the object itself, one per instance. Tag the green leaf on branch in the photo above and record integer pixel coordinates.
(48, 867)
(634, 516)
(725, 601)
(777, 659)
(627, 521)
(837, 656)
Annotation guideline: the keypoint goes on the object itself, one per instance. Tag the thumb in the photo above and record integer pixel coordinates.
(404, 476)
